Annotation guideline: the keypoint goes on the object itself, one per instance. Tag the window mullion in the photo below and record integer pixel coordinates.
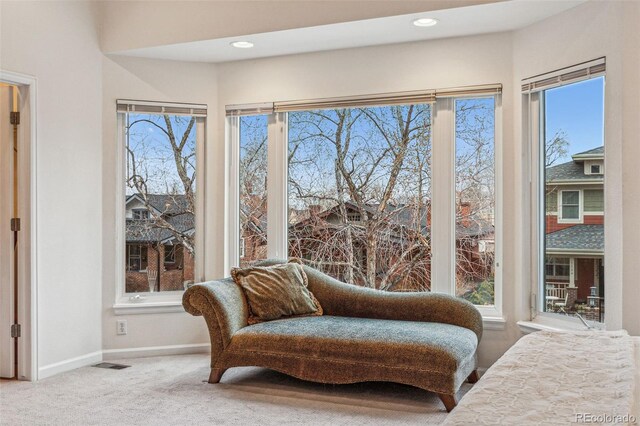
(277, 194)
(232, 230)
(443, 203)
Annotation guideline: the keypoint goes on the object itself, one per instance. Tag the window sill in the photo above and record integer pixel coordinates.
(554, 324)
(493, 323)
(134, 308)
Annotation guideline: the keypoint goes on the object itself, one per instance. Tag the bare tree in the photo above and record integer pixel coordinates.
(556, 148)
(164, 166)
(370, 150)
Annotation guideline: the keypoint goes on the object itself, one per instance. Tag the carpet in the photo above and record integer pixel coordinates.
(172, 390)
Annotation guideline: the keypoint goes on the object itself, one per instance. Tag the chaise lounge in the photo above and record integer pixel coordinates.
(427, 340)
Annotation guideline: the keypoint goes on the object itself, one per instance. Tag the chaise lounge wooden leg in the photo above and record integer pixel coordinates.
(449, 401)
(473, 377)
(216, 374)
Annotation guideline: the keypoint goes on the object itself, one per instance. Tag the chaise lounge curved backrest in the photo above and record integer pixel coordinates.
(427, 340)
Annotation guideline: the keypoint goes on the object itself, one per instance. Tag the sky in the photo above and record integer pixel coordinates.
(578, 110)
(153, 152)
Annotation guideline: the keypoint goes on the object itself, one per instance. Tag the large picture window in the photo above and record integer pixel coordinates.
(360, 194)
(160, 204)
(359, 184)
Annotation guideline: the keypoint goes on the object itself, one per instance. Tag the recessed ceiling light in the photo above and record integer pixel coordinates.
(242, 44)
(425, 22)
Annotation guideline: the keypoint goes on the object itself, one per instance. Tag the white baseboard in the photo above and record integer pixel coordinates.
(111, 354)
(69, 364)
(198, 348)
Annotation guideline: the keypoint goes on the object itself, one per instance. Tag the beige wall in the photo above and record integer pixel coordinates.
(136, 24)
(564, 40)
(58, 43)
(151, 80)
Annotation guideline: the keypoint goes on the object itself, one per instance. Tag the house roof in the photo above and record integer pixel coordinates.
(574, 170)
(400, 215)
(164, 203)
(594, 153)
(577, 237)
(174, 210)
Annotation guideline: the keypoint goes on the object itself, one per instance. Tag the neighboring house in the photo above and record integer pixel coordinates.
(575, 224)
(403, 231)
(155, 258)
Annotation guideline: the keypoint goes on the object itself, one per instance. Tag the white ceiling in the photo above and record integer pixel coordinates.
(464, 21)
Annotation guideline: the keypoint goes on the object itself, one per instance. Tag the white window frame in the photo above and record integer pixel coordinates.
(129, 256)
(561, 218)
(591, 166)
(533, 123)
(568, 264)
(165, 301)
(134, 211)
(443, 195)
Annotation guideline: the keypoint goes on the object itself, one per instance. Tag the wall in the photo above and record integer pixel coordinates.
(58, 43)
(135, 24)
(564, 40)
(630, 155)
(152, 80)
(411, 66)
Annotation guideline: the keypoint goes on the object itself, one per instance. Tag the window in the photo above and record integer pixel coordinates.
(140, 214)
(570, 205)
(136, 257)
(353, 217)
(593, 201)
(170, 253)
(557, 267)
(253, 188)
(368, 171)
(475, 199)
(161, 146)
(572, 149)
(365, 193)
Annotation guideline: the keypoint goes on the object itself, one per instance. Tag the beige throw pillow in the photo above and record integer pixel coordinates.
(276, 291)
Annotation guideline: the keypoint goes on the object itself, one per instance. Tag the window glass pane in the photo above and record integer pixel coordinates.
(593, 200)
(475, 200)
(253, 189)
(574, 135)
(570, 197)
(160, 200)
(359, 194)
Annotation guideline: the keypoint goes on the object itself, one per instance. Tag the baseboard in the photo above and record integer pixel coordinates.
(198, 348)
(69, 364)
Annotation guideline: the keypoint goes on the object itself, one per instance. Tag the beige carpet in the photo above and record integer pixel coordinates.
(170, 391)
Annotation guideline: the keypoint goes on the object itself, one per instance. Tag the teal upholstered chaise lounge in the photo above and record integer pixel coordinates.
(427, 340)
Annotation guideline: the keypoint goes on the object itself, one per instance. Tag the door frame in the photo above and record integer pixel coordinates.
(27, 246)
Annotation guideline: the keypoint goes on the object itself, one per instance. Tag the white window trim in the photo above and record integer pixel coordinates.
(443, 214)
(580, 218)
(166, 301)
(537, 319)
(567, 277)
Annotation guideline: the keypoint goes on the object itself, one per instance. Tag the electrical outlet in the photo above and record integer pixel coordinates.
(121, 326)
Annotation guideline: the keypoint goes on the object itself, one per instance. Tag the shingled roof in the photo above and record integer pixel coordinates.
(577, 237)
(574, 170)
(174, 211)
